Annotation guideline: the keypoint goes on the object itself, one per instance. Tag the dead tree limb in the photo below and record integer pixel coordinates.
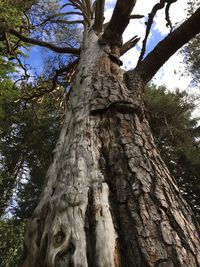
(128, 45)
(136, 16)
(68, 50)
(149, 23)
(99, 15)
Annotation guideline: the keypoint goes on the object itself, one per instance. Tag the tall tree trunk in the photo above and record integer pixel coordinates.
(108, 199)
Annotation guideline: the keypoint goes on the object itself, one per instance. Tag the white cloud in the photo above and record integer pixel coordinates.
(144, 7)
(130, 58)
(171, 74)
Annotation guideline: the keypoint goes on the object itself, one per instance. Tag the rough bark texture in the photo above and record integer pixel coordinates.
(108, 199)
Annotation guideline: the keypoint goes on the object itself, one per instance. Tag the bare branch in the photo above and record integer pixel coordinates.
(14, 56)
(65, 5)
(26, 75)
(119, 21)
(149, 23)
(67, 14)
(169, 24)
(88, 5)
(69, 69)
(9, 50)
(128, 45)
(135, 16)
(168, 46)
(68, 50)
(79, 5)
(63, 21)
(99, 15)
(51, 18)
(64, 14)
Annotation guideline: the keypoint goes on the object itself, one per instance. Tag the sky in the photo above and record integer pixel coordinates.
(172, 73)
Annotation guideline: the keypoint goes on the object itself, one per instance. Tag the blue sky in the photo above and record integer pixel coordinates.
(35, 58)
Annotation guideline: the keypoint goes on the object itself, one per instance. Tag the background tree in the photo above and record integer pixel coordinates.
(19, 114)
(106, 172)
(11, 244)
(176, 132)
(40, 123)
(191, 51)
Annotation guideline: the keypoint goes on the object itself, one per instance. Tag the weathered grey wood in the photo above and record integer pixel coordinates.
(108, 198)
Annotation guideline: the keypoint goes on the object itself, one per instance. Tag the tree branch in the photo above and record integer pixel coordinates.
(14, 56)
(99, 15)
(69, 50)
(79, 5)
(69, 70)
(9, 50)
(149, 23)
(88, 5)
(167, 17)
(119, 21)
(168, 46)
(128, 45)
(136, 16)
(63, 21)
(49, 19)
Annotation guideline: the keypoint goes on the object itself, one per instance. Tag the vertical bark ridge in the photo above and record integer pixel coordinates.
(150, 197)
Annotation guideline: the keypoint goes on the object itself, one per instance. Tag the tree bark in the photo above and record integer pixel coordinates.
(108, 199)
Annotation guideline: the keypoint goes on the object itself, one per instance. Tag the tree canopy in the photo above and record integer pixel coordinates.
(191, 51)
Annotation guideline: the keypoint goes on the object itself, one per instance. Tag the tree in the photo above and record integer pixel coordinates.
(176, 133)
(20, 159)
(11, 244)
(108, 198)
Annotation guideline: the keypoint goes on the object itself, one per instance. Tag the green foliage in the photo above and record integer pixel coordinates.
(5, 69)
(41, 126)
(28, 133)
(11, 242)
(8, 96)
(177, 136)
(10, 15)
(192, 58)
(28, 136)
